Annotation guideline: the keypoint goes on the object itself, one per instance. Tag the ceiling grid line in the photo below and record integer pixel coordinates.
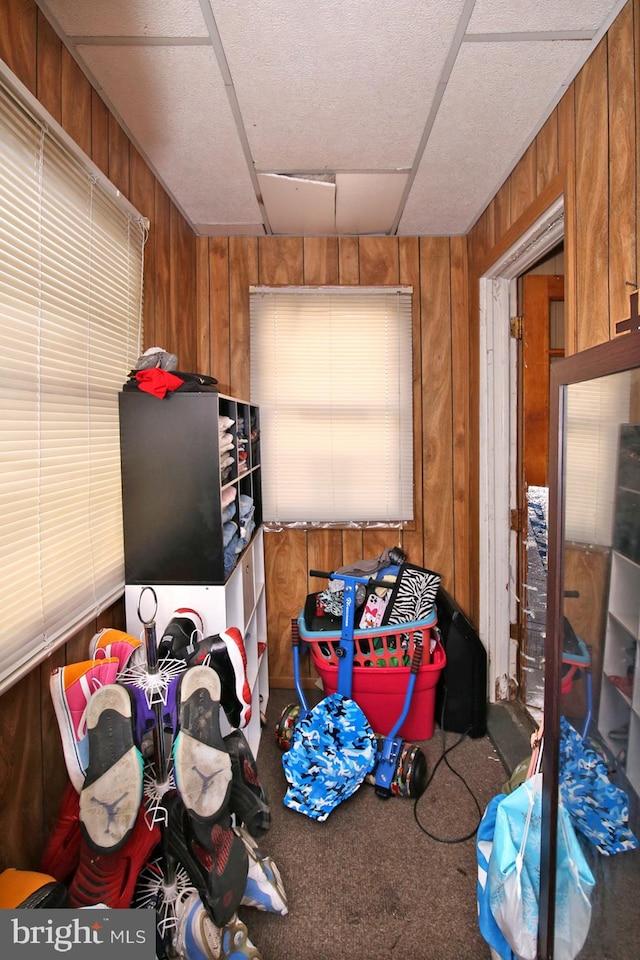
(447, 69)
(416, 112)
(232, 96)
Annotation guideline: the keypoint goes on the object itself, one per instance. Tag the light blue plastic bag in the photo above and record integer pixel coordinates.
(514, 876)
(484, 848)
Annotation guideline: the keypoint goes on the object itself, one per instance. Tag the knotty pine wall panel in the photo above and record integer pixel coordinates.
(100, 153)
(320, 260)
(182, 287)
(524, 183)
(76, 102)
(245, 273)
(18, 39)
(118, 153)
(546, 154)
(412, 539)
(437, 405)
(622, 166)
(592, 218)
(32, 771)
(464, 493)
(142, 196)
(157, 327)
(49, 68)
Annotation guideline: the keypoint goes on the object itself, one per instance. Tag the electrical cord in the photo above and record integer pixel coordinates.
(444, 756)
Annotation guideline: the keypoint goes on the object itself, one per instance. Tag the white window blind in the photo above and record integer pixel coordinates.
(331, 369)
(594, 411)
(70, 324)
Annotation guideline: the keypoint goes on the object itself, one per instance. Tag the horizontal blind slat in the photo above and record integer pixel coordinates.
(71, 266)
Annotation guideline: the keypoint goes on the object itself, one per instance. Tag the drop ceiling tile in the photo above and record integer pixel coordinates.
(335, 85)
(122, 18)
(297, 207)
(497, 97)
(173, 103)
(513, 16)
(367, 202)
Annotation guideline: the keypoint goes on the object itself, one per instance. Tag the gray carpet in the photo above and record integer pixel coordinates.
(368, 882)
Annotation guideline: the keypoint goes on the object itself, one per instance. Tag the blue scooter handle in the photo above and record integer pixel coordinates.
(332, 575)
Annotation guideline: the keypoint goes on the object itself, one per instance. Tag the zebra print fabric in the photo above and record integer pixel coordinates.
(414, 595)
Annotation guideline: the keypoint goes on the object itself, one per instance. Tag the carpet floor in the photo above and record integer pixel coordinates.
(379, 879)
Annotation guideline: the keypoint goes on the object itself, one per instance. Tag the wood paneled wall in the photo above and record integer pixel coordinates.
(589, 149)
(32, 771)
(436, 268)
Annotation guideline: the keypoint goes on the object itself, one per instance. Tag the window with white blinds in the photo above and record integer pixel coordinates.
(70, 325)
(331, 370)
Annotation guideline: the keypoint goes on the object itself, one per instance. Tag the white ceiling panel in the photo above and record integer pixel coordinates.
(335, 85)
(421, 105)
(511, 16)
(173, 103)
(367, 202)
(126, 18)
(476, 138)
(299, 207)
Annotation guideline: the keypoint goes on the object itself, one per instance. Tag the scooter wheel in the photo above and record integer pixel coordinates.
(410, 777)
(284, 727)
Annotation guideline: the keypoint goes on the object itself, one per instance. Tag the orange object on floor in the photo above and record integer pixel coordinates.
(16, 886)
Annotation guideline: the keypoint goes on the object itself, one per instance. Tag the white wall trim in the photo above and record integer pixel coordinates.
(498, 382)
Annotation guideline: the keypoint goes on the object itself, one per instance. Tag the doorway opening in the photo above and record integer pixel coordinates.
(538, 330)
(498, 554)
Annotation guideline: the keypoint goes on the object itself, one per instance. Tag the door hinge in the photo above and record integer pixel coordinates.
(515, 328)
(516, 520)
(515, 632)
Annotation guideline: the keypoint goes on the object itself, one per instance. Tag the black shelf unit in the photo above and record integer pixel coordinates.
(173, 485)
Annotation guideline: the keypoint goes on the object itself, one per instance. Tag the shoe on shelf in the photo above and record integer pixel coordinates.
(265, 889)
(62, 851)
(181, 634)
(129, 650)
(112, 791)
(248, 800)
(71, 690)
(226, 653)
(201, 763)
(234, 643)
(110, 878)
(218, 871)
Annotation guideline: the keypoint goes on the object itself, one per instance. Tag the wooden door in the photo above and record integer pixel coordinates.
(538, 350)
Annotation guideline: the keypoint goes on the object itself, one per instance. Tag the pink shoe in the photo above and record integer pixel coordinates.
(116, 643)
(71, 689)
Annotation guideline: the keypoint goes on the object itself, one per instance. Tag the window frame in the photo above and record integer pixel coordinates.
(401, 296)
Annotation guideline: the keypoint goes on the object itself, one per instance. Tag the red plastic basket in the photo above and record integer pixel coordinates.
(390, 646)
(381, 667)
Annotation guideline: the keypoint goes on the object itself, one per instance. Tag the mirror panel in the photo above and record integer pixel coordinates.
(592, 653)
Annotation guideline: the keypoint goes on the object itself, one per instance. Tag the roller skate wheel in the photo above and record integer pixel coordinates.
(410, 777)
(286, 724)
